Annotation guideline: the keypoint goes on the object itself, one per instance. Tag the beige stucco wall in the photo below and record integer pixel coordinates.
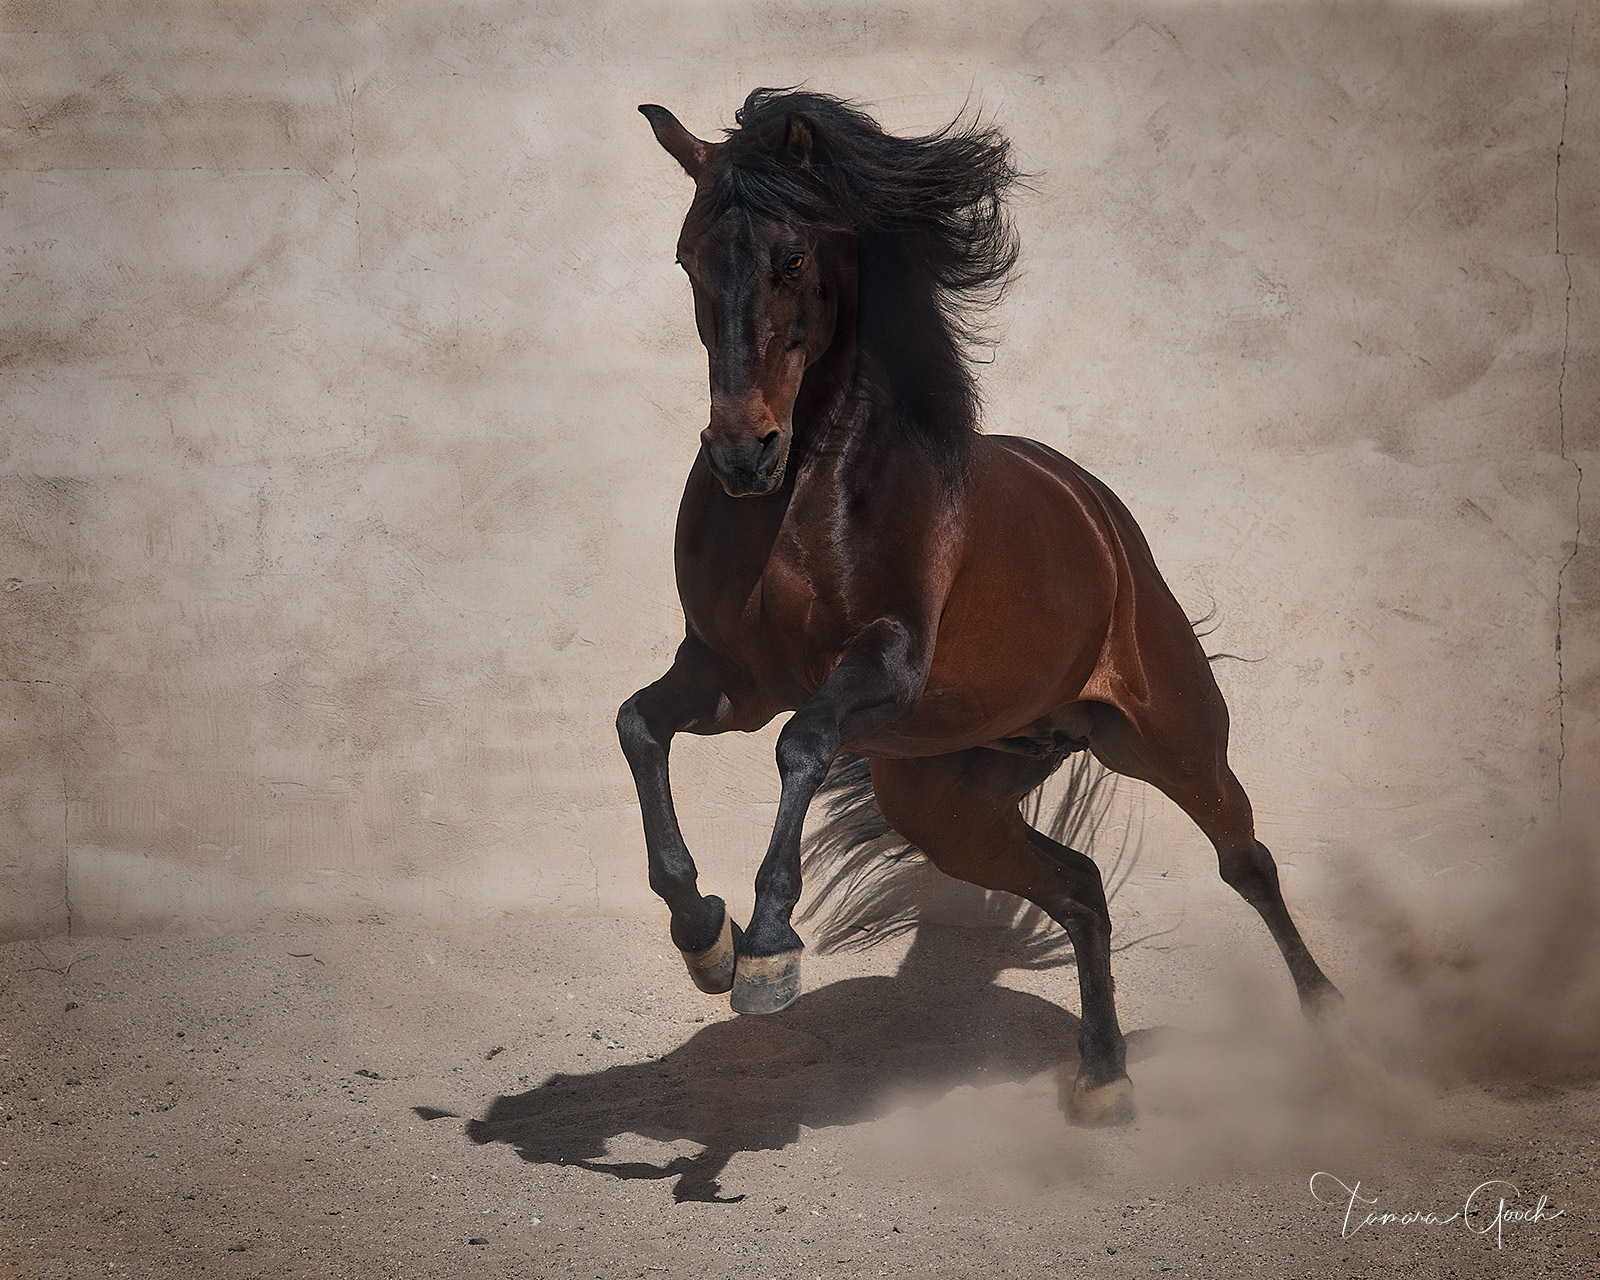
(346, 385)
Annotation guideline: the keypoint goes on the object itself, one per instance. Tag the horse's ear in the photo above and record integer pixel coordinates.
(797, 140)
(680, 144)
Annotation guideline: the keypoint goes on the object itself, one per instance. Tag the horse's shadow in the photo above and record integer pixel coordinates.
(843, 1054)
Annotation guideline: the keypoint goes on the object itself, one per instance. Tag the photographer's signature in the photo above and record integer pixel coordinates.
(1489, 1208)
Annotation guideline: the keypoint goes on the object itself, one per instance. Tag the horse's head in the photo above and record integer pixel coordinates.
(766, 301)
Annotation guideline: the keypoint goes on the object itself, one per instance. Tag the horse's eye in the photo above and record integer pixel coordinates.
(793, 263)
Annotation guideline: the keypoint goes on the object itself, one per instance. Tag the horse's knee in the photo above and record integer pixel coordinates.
(640, 738)
(631, 728)
(807, 747)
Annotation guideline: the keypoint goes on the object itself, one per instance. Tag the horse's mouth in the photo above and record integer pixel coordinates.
(752, 487)
(766, 488)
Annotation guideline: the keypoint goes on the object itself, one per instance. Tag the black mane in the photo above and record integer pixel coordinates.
(936, 245)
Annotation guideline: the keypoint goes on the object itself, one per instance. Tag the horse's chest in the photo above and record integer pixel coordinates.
(789, 619)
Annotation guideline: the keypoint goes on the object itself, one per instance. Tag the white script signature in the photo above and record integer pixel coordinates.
(1487, 1208)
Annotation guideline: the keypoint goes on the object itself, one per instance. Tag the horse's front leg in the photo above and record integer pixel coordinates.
(878, 679)
(693, 695)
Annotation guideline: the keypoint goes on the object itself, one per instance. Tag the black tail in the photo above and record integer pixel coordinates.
(870, 884)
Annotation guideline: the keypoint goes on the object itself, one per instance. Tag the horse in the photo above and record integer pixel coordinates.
(960, 610)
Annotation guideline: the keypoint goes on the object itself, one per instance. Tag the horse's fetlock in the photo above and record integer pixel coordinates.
(770, 936)
(698, 927)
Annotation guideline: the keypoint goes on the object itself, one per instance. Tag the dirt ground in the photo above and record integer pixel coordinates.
(550, 1097)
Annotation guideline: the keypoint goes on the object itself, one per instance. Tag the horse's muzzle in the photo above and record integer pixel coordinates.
(747, 467)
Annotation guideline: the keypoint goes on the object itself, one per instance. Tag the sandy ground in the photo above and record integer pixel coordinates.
(552, 1098)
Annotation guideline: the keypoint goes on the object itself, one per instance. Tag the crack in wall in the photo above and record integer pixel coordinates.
(355, 171)
(1561, 420)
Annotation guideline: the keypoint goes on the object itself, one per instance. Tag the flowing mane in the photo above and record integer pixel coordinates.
(937, 247)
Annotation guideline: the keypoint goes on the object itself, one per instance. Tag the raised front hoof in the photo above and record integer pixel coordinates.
(713, 968)
(1102, 1106)
(765, 984)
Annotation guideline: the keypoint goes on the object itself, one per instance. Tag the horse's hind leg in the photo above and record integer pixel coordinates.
(961, 811)
(1222, 810)
(1187, 760)
(693, 696)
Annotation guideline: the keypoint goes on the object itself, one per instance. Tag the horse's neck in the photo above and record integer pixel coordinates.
(844, 411)
(830, 388)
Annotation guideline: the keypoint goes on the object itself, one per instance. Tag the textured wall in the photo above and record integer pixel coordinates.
(346, 384)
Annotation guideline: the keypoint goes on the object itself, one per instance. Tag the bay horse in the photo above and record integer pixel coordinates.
(962, 610)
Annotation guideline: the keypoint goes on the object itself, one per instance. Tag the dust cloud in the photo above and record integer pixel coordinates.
(1488, 976)
(1466, 993)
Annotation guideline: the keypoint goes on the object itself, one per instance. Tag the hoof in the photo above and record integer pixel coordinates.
(765, 984)
(1099, 1107)
(713, 968)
